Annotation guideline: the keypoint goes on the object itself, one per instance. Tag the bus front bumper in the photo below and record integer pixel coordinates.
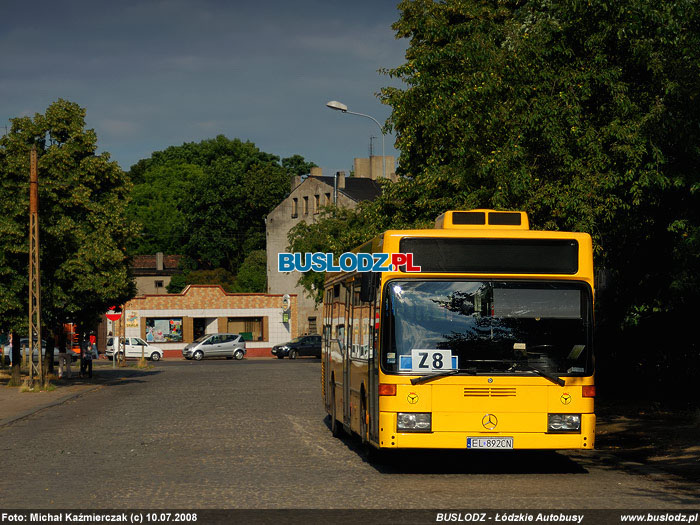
(441, 439)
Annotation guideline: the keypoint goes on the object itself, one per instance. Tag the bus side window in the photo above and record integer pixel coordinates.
(341, 338)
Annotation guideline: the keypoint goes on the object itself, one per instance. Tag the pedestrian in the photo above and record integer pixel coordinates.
(93, 345)
(86, 361)
(64, 360)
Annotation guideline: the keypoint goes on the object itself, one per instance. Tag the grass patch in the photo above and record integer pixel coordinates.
(37, 387)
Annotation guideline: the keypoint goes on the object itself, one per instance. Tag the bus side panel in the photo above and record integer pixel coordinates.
(358, 392)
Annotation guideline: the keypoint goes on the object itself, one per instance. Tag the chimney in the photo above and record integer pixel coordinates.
(159, 261)
(341, 180)
(296, 180)
(316, 172)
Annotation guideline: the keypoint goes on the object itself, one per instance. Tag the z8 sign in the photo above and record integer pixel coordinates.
(428, 360)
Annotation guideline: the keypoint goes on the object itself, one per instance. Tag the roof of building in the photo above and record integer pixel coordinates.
(357, 188)
(146, 264)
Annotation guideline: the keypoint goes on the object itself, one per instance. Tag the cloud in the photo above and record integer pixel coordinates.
(159, 73)
(118, 128)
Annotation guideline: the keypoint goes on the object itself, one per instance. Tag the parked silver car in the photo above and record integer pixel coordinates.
(230, 346)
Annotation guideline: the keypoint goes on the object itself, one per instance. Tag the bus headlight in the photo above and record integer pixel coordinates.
(413, 422)
(564, 423)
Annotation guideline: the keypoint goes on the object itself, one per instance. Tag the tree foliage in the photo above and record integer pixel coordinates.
(208, 200)
(581, 113)
(252, 275)
(584, 114)
(158, 205)
(82, 221)
(251, 278)
(337, 230)
(218, 276)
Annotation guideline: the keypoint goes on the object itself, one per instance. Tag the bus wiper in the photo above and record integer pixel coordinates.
(438, 375)
(553, 378)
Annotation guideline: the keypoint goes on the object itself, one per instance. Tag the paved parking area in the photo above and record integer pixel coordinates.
(253, 434)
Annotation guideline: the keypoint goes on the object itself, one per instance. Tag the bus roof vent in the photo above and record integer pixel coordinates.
(479, 219)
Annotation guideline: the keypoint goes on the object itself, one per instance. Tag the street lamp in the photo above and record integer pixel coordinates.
(339, 106)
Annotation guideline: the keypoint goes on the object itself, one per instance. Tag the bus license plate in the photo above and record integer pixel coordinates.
(490, 443)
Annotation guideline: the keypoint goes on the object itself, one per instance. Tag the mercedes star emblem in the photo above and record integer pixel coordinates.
(489, 421)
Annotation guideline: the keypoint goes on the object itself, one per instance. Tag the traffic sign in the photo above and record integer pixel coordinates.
(113, 314)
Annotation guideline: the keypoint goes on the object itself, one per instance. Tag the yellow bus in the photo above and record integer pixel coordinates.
(489, 346)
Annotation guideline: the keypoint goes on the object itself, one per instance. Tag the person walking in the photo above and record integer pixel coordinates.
(64, 360)
(86, 361)
(93, 345)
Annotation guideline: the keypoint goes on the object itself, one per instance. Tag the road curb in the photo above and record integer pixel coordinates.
(34, 410)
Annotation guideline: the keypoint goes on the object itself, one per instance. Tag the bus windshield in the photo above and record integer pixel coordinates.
(501, 327)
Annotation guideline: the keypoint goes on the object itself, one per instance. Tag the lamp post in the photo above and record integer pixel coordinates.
(339, 106)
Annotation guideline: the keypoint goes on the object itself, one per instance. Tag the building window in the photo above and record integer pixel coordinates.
(159, 284)
(164, 330)
(317, 204)
(295, 208)
(328, 199)
(312, 325)
(251, 328)
(306, 205)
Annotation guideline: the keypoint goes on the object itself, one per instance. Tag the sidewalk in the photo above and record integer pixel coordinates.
(15, 405)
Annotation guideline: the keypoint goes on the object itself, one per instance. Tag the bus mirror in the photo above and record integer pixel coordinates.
(368, 287)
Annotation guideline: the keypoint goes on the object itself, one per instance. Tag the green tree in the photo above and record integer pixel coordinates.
(82, 221)
(218, 276)
(337, 230)
(585, 115)
(216, 194)
(225, 216)
(579, 112)
(296, 165)
(159, 204)
(252, 274)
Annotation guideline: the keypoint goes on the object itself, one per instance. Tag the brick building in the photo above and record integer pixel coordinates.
(170, 321)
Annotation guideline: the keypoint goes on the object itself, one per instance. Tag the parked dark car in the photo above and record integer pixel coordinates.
(305, 345)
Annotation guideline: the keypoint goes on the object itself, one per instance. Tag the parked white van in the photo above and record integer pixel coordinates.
(134, 347)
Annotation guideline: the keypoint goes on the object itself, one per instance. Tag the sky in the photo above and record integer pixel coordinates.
(153, 74)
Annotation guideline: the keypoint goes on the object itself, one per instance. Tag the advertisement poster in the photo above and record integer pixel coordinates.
(132, 320)
(164, 330)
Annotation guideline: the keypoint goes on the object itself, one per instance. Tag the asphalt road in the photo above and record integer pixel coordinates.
(252, 434)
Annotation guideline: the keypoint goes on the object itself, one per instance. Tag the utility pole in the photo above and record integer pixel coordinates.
(34, 277)
(123, 330)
